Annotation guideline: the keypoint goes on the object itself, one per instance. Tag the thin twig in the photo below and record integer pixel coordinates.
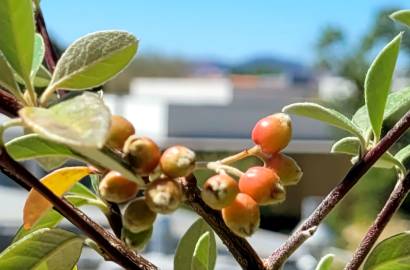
(279, 256)
(112, 246)
(50, 56)
(392, 204)
(241, 250)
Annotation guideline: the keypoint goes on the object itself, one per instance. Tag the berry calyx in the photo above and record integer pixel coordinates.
(163, 195)
(219, 191)
(177, 161)
(138, 216)
(263, 185)
(143, 153)
(116, 188)
(286, 168)
(242, 216)
(120, 130)
(272, 133)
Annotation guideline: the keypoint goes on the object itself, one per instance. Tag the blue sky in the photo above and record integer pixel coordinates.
(225, 30)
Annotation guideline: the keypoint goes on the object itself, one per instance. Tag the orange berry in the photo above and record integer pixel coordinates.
(242, 216)
(286, 168)
(163, 195)
(263, 185)
(219, 191)
(120, 130)
(143, 153)
(177, 161)
(138, 216)
(272, 133)
(116, 188)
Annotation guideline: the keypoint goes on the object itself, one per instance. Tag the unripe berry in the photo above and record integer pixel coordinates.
(116, 188)
(242, 216)
(120, 130)
(136, 241)
(143, 153)
(138, 216)
(163, 195)
(263, 185)
(272, 133)
(177, 161)
(219, 191)
(286, 168)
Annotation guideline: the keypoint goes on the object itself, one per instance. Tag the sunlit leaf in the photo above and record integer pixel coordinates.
(51, 163)
(42, 78)
(81, 121)
(94, 59)
(51, 249)
(186, 246)
(391, 253)
(80, 189)
(200, 259)
(59, 181)
(326, 115)
(17, 35)
(325, 262)
(38, 56)
(402, 16)
(378, 82)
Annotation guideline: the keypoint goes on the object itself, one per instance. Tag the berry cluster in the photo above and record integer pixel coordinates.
(162, 193)
(259, 185)
(238, 200)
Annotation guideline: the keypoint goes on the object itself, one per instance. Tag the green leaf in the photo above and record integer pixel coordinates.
(82, 121)
(403, 155)
(51, 163)
(378, 82)
(325, 262)
(94, 59)
(32, 146)
(402, 16)
(42, 78)
(186, 246)
(17, 35)
(326, 115)
(81, 190)
(136, 241)
(50, 249)
(398, 103)
(200, 259)
(351, 146)
(95, 182)
(7, 78)
(38, 56)
(50, 220)
(391, 253)
(107, 159)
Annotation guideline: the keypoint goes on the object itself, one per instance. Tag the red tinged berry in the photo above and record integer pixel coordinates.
(263, 185)
(219, 191)
(142, 153)
(272, 133)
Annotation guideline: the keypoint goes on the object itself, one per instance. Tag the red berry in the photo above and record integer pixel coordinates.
(263, 185)
(219, 191)
(272, 133)
(242, 216)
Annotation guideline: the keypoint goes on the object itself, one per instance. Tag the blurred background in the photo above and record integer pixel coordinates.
(207, 71)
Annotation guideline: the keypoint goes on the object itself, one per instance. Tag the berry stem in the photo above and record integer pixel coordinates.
(218, 167)
(254, 151)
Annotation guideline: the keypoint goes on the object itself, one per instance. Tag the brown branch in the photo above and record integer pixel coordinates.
(114, 218)
(393, 203)
(279, 256)
(112, 246)
(242, 251)
(50, 56)
(9, 106)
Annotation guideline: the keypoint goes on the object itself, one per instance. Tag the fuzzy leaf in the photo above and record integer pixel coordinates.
(7, 79)
(38, 56)
(81, 121)
(42, 78)
(94, 59)
(17, 35)
(326, 115)
(52, 249)
(200, 259)
(325, 262)
(186, 246)
(59, 181)
(391, 253)
(378, 82)
(402, 16)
